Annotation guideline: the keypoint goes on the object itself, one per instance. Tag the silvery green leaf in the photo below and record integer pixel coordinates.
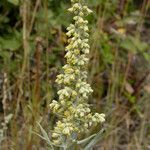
(45, 136)
(94, 141)
(86, 140)
(42, 137)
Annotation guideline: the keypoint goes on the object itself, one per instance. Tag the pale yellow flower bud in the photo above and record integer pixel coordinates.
(75, 115)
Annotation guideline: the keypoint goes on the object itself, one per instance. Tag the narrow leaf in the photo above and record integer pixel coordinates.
(45, 135)
(94, 141)
(86, 140)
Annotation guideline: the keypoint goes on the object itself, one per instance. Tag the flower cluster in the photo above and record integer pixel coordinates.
(72, 107)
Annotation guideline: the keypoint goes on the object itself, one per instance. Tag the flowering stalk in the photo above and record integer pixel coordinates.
(72, 108)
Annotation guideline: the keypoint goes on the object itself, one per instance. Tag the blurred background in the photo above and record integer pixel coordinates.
(32, 43)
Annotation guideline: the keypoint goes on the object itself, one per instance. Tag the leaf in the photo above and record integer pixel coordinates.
(42, 137)
(140, 45)
(86, 140)
(134, 44)
(130, 97)
(146, 56)
(94, 141)
(45, 136)
(11, 42)
(5, 54)
(14, 2)
(72, 146)
(127, 44)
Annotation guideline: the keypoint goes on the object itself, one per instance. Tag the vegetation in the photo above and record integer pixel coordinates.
(32, 49)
